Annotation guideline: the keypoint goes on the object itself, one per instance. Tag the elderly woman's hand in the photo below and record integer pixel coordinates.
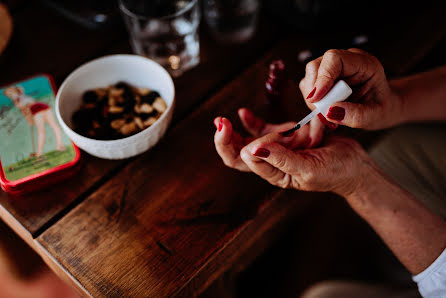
(229, 143)
(373, 104)
(337, 166)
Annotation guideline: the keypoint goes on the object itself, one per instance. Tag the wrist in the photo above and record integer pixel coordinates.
(370, 186)
(400, 111)
(355, 184)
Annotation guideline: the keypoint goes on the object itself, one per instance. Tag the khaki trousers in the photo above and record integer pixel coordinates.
(414, 156)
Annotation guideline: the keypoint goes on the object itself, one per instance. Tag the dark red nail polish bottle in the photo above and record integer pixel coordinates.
(275, 81)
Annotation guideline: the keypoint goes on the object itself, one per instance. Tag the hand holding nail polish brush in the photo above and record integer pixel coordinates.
(340, 92)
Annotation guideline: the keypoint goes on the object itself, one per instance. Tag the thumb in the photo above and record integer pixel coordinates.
(355, 115)
(279, 157)
(270, 163)
(271, 151)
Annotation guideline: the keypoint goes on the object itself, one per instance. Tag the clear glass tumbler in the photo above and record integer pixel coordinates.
(231, 21)
(165, 31)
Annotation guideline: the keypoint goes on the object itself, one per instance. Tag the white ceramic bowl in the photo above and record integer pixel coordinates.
(135, 70)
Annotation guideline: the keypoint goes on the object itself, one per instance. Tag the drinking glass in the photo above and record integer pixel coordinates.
(165, 31)
(231, 21)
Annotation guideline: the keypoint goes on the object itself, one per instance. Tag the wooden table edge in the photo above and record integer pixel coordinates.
(55, 266)
(282, 204)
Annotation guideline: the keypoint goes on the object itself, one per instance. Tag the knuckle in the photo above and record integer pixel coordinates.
(358, 119)
(282, 182)
(310, 178)
(285, 182)
(333, 53)
(332, 66)
(327, 75)
(311, 66)
(281, 162)
(373, 59)
(357, 51)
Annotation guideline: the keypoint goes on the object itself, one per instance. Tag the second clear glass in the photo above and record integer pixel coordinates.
(231, 21)
(165, 31)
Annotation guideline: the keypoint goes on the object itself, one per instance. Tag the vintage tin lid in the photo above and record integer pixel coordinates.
(34, 151)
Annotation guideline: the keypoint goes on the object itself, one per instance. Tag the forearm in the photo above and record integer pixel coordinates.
(423, 96)
(415, 234)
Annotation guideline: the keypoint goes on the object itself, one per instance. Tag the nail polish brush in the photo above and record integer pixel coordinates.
(339, 92)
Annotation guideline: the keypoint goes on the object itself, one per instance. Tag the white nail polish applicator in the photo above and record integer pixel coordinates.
(340, 92)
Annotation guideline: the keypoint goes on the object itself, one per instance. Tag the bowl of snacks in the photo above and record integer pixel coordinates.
(116, 106)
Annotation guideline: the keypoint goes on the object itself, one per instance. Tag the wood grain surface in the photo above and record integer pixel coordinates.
(168, 223)
(172, 220)
(50, 48)
(167, 219)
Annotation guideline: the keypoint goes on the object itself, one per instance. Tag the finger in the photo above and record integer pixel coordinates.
(223, 135)
(265, 170)
(353, 66)
(299, 139)
(228, 145)
(269, 128)
(283, 159)
(325, 122)
(257, 127)
(358, 51)
(273, 162)
(307, 83)
(216, 122)
(253, 124)
(356, 115)
(316, 133)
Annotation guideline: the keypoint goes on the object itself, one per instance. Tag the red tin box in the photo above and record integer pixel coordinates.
(34, 151)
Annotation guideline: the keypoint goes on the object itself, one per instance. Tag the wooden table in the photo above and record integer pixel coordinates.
(173, 220)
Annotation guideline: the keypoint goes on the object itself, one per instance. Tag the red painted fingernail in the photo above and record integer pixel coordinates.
(327, 123)
(336, 113)
(311, 93)
(323, 120)
(262, 152)
(220, 124)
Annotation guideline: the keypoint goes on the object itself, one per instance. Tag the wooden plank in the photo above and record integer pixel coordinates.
(169, 222)
(152, 229)
(35, 212)
(48, 259)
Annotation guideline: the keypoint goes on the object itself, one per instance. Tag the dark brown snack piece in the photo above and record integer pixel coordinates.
(150, 97)
(90, 97)
(117, 111)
